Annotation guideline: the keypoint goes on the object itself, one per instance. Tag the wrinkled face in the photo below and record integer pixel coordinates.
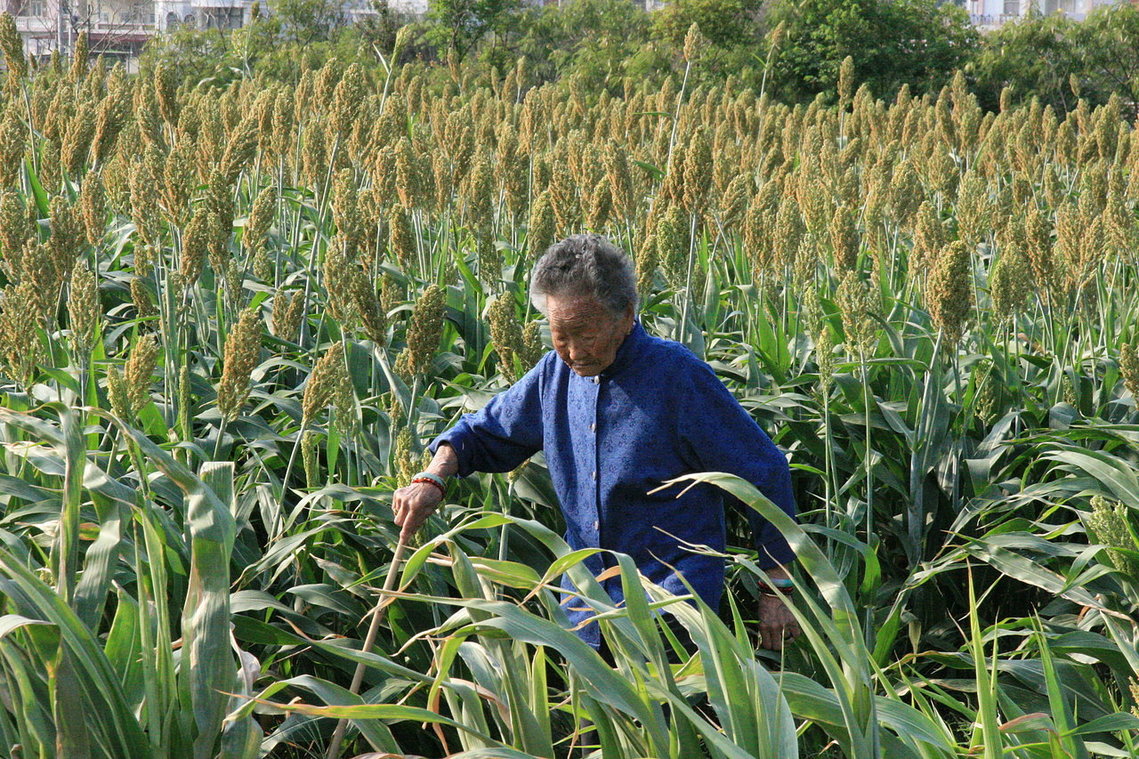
(585, 333)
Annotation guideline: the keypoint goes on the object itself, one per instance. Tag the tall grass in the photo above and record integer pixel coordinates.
(929, 307)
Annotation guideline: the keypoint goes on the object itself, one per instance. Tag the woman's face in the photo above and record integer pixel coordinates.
(585, 333)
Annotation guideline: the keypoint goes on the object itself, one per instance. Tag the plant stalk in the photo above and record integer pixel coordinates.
(370, 639)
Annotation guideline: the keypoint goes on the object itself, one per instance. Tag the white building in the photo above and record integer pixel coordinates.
(990, 14)
(120, 28)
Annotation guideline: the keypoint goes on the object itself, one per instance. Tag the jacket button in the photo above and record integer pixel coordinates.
(593, 427)
(596, 525)
(594, 475)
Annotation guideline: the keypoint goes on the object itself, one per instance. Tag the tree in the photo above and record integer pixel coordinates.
(1038, 55)
(732, 28)
(1034, 57)
(725, 23)
(1107, 49)
(459, 24)
(307, 21)
(892, 42)
(598, 42)
(380, 28)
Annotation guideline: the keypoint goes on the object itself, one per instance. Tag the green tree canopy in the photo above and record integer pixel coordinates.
(731, 27)
(892, 42)
(458, 25)
(1107, 44)
(1034, 57)
(725, 23)
(597, 41)
(1039, 55)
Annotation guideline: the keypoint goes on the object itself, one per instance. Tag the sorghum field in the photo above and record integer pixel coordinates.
(232, 318)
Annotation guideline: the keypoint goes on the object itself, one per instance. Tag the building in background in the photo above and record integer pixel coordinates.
(119, 29)
(990, 14)
(116, 28)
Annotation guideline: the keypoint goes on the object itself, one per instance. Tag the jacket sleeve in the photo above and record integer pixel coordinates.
(722, 437)
(504, 433)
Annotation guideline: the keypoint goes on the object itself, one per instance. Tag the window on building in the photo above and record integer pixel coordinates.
(1012, 8)
(140, 13)
(233, 18)
(223, 18)
(32, 8)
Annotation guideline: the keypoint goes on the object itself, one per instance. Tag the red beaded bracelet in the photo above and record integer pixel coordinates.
(433, 483)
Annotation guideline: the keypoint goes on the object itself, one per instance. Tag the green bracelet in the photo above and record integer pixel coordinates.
(776, 585)
(433, 478)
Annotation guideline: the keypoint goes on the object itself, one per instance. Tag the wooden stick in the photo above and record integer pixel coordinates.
(369, 640)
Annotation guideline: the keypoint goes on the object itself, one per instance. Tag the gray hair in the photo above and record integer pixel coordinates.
(585, 265)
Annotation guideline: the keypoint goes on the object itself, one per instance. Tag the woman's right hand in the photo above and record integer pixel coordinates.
(412, 505)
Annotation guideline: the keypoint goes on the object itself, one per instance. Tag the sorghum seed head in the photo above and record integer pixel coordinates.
(144, 201)
(83, 307)
(532, 346)
(423, 332)
(138, 371)
(76, 142)
(1129, 368)
(949, 292)
(309, 458)
(239, 150)
(346, 206)
(196, 241)
(14, 230)
(347, 99)
(368, 307)
(260, 218)
(13, 135)
(20, 349)
(117, 392)
(288, 312)
(1010, 282)
(929, 237)
(13, 46)
(93, 207)
(79, 59)
(1110, 522)
(856, 303)
(338, 266)
(141, 298)
(697, 169)
(166, 91)
(844, 238)
(505, 333)
(322, 382)
(541, 229)
(239, 359)
(694, 43)
(66, 237)
(672, 238)
(401, 238)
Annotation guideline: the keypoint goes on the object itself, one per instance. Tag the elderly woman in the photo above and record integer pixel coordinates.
(617, 412)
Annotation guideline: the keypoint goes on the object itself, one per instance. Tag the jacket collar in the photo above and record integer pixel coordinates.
(627, 353)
